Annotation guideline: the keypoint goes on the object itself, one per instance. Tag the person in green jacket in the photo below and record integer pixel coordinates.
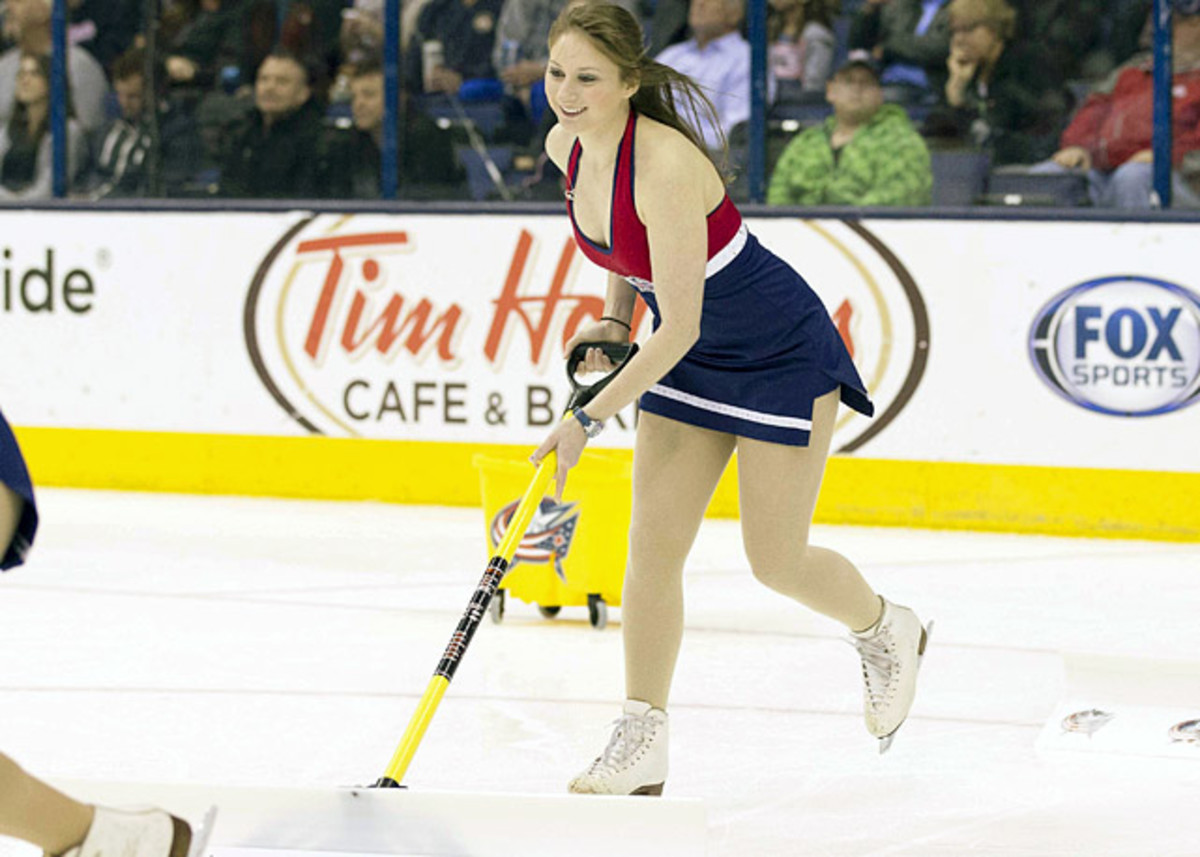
(866, 153)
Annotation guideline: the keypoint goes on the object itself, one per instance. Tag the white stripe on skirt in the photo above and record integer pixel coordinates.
(731, 410)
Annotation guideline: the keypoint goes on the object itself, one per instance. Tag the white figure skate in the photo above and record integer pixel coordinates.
(144, 833)
(891, 652)
(635, 760)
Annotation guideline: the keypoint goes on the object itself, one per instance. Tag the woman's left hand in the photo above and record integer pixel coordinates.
(567, 440)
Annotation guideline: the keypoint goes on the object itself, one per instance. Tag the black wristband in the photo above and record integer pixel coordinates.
(623, 324)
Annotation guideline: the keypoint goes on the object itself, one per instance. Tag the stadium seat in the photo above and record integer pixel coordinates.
(480, 184)
(1016, 185)
(959, 176)
(487, 116)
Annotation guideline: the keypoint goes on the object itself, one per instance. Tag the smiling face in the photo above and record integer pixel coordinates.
(583, 86)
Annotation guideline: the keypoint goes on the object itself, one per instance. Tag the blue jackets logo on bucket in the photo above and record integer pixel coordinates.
(549, 536)
(1128, 346)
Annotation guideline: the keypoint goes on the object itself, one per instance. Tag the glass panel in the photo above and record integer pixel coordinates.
(286, 99)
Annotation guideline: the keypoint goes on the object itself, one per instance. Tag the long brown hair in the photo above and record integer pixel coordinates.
(663, 94)
(18, 121)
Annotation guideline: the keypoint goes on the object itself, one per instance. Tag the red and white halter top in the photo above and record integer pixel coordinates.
(629, 254)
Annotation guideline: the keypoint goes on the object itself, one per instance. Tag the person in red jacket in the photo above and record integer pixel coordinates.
(1111, 135)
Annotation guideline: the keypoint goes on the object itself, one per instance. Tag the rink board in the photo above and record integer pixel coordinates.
(371, 355)
(407, 822)
(1064, 501)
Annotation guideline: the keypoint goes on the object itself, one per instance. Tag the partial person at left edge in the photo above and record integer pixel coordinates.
(26, 142)
(31, 810)
(85, 76)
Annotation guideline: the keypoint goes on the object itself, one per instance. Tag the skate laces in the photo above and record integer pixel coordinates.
(878, 665)
(628, 737)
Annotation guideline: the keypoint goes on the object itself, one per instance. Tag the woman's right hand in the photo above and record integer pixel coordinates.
(603, 331)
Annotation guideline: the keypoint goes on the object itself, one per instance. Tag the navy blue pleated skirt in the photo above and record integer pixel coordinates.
(767, 350)
(15, 475)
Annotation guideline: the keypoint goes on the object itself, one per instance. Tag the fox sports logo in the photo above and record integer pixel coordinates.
(1128, 346)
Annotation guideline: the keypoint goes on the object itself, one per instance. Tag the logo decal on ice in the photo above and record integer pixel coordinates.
(1126, 346)
(1187, 732)
(1087, 722)
(549, 535)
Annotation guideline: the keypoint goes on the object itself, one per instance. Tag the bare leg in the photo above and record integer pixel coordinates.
(32, 811)
(778, 487)
(676, 468)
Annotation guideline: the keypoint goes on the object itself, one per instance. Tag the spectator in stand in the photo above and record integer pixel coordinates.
(717, 57)
(311, 29)
(801, 42)
(910, 39)
(201, 38)
(520, 52)
(866, 153)
(87, 82)
(26, 160)
(276, 151)
(122, 149)
(360, 38)
(428, 168)
(1111, 136)
(998, 97)
(466, 30)
(105, 28)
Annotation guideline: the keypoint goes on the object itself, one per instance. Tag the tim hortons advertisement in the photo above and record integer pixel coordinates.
(430, 329)
(1039, 343)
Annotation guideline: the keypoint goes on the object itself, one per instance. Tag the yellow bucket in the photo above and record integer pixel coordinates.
(573, 553)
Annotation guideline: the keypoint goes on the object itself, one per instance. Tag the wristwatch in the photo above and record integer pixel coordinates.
(591, 427)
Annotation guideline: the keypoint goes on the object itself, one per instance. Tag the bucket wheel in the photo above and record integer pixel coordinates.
(597, 611)
(496, 608)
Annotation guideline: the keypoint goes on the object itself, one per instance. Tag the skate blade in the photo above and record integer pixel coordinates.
(885, 743)
(201, 834)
